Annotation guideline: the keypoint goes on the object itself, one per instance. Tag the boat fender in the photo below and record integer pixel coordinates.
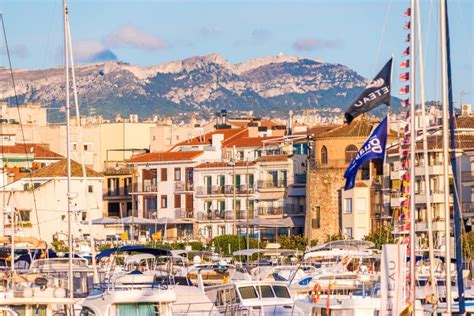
(316, 293)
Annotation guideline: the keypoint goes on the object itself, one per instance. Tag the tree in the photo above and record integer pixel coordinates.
(468, 244)
(293, 242)
(233, 243)
(381, 235)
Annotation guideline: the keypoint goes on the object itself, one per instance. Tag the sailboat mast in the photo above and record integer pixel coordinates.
(444, 93)
(421, 73)
(412, 158)
(68, 150)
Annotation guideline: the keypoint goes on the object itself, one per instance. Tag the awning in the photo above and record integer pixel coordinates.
(271, 196)
(104, 221)
(171, 221)
(269, 222)
(295, 192)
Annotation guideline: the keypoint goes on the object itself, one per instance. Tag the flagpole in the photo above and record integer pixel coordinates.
(425, 156)
(447, 215)
(412, 88)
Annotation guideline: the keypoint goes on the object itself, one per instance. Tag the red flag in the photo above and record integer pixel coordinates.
(404, 90)
(407, 25)
(406, 52)
(405, 103)
(407, 12)
(405, 64)
(405, 76)
(408, 38)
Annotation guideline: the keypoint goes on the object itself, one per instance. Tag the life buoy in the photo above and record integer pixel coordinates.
(316, 293)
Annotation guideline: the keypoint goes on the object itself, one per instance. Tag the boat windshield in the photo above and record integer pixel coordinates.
(281, 291)
(265, 291)
(86, 311)
(248, 292)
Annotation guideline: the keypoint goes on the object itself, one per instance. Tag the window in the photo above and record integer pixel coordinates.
(90, 189)
(208, 206)
(240, 155)
(351, 152)
(324, 155)
(164, 201)
(177, 201)
(247, 292)
(348, 205)
(86, 147)
(74, 146)
(113, 209)
(87, 312)
(281, 291)
(265, 291)
(84, 216)
(348, 232)
(316, 223)
(25, 216)
(164, 174)
(177, 174)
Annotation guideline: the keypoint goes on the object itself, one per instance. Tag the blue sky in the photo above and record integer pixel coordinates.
(360, 34)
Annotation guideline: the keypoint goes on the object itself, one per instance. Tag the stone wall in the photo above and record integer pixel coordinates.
(325, 186)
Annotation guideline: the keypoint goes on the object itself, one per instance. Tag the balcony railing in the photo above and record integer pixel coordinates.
(181, 186)
(226, 189)
(215, 215)
(184, 213)
(277, 210)
(467, 176)
(119, 192)
(270, 184)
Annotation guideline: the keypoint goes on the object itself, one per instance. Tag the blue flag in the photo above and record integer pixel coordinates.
(374, 147)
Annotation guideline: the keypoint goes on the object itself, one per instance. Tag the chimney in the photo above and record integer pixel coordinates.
(217, 140)
(252, 129)
(290, 122)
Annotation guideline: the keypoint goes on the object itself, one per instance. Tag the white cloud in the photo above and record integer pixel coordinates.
(92, 51)
(129, 35)
(312, 43)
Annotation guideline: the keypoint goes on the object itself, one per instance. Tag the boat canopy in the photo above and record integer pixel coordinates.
(138, 257)
(337, 253)
(201, 253)
(344, 244)
(139, 249)
(268, 252)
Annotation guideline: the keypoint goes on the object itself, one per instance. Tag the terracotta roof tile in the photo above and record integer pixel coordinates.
(37, 150)
(207, 165)
(465, 121)
(358, 128)
(272, 158)
(166, 156)
(59, 169)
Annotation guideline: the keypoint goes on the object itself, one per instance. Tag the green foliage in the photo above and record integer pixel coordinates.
(60, 246)
(333, 237)
(293, 242)
(104, 247)
(468, 244)
(314, 242)
(380, 236)
(221, 244)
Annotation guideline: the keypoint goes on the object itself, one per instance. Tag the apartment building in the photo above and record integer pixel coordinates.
(40, 202)
(464, 137)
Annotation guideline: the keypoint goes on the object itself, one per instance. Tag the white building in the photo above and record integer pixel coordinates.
(40, 203)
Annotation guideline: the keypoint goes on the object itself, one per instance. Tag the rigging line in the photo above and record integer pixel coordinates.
(384, 28)
(17, 103)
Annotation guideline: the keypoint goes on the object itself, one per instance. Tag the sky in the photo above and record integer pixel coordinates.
(362, 34)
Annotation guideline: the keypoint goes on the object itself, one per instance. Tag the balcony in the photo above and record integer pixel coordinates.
(468, 209)
(181, 186)
(143, 189)
(119, 193)
(272, 184)
(215, 215)
(184, 213)
(467, 177)
(271, 210)
(225, 190)
(436, 197)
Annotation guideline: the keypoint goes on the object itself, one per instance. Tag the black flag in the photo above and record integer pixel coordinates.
(376, 92)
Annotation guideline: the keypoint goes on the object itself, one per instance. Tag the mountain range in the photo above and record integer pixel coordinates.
(266, 85)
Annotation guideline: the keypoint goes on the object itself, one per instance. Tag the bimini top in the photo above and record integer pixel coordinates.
(139, 249)
(268, 252)
(338, 253)
(201, 253)
(344, 244)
